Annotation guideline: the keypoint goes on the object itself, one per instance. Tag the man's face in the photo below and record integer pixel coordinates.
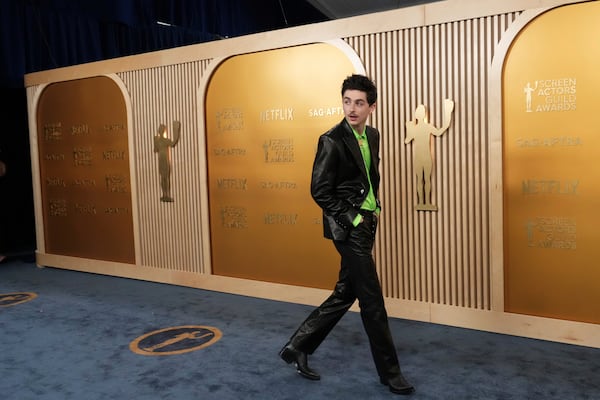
(356, 108)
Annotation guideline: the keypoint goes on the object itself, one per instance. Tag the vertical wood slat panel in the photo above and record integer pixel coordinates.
(443, 256)
(170, 233)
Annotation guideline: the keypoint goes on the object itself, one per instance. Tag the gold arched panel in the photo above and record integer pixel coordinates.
(264, 113)
(84, 170)
(551, 184)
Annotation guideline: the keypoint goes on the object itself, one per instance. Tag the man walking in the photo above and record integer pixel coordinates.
(345, 183)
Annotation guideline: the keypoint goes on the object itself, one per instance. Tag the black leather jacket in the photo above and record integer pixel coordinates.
(339, 181)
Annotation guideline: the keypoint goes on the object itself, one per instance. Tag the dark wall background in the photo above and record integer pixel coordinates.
(38, 35)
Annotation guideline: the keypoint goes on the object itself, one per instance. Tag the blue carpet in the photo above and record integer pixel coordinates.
(72, 342)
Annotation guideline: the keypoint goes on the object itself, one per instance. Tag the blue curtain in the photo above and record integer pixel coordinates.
(38, 35)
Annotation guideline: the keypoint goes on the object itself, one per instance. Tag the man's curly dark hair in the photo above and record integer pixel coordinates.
(362, 83)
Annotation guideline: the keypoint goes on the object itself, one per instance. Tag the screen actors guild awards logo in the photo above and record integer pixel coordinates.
(279, 150)
(551, 95)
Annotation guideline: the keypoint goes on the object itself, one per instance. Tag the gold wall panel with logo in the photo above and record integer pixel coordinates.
(551, 184)
(84, 170)
(264, 113)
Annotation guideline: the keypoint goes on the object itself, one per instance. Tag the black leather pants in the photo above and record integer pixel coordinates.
(357, 280)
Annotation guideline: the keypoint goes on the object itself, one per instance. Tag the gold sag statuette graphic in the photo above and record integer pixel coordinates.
(11, 299)
(420, 130)
(162, 146)
(175, 340)
(528, 90)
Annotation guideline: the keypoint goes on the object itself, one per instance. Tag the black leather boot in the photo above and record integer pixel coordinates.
(289, 354)
(398, 384)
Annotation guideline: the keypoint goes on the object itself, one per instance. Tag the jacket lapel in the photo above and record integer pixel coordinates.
(374, 149)
(352, 144)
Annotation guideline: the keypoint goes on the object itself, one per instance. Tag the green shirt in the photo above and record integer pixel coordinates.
(370, 203)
